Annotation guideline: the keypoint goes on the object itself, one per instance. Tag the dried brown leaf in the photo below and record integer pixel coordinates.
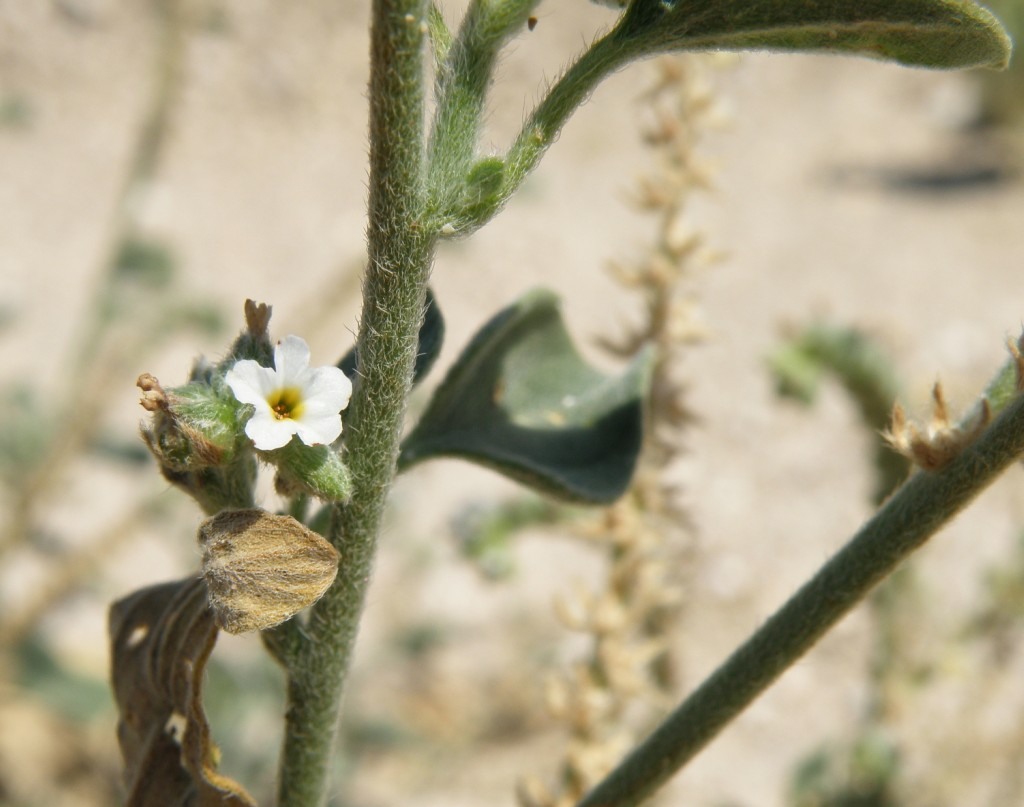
(161, 638)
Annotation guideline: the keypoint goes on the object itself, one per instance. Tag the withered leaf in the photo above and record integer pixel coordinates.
(161, 638)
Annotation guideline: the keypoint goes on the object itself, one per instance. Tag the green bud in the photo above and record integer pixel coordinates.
(254, 342)
(316, 470)
(198, 442)
(194, 426)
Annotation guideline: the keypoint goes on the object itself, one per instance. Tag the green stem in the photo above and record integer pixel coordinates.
(463, 81)
(462, 88)
(400, 254)
(543, 127)
(916, 511)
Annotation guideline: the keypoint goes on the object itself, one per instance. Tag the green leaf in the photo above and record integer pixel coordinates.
(431, 337)
(927, 33)
(520, 400)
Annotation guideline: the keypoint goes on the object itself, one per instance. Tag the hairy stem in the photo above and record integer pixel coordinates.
(400, 253)
(574, 87)
(915, 512)
(463, 81)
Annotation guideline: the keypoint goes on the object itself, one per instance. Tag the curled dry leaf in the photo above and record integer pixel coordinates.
(262, 569)
(161, 638)
(934, 447)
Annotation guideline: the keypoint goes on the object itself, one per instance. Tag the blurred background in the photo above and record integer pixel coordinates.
(162, 161)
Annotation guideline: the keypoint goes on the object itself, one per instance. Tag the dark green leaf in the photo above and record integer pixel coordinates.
(430, 340)
(520, 400)
(928, 33)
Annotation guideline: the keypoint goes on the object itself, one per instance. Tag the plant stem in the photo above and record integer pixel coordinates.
(543, 127)
(463, 81)
(394, 287)
(916, 511)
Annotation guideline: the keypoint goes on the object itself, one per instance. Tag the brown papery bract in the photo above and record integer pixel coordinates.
(261, 569)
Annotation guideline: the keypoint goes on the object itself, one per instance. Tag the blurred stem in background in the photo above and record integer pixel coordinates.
(94, 357)
(131, 310)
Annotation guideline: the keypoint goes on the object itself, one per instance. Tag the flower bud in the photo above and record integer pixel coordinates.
(254, 342)
(261, 569)
(316, 470)
(193, 427)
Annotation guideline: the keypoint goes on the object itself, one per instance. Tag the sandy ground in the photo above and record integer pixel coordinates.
(261, 194)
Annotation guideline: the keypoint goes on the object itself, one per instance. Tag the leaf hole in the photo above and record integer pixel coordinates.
(175, 726)
(137, 636)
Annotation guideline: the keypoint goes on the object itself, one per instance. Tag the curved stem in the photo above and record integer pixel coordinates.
(542, 128)
(463, 81)
(400, 254)
(916, 511)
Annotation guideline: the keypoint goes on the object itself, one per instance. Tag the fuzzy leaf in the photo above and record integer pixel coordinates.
(926, 33)
(161, 638)
(315, 470)
(520, 400)
(431, 337)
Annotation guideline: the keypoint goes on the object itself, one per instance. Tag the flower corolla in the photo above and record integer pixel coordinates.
(291, 397)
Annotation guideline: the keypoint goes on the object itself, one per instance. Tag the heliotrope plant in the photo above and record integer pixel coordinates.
(518, 399)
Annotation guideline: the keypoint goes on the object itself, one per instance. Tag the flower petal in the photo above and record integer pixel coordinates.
(291, 358)
(327, 389)
(318, 429)
(251, 383)
(268, 433)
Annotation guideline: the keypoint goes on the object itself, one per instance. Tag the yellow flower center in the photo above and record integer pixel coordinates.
(286, 403)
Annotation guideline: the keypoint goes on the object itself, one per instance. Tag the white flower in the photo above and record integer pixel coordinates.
(291, 397)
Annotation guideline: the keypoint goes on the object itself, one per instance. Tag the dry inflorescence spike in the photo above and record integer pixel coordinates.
(261, 569)
(630, 668)
(933, 448)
